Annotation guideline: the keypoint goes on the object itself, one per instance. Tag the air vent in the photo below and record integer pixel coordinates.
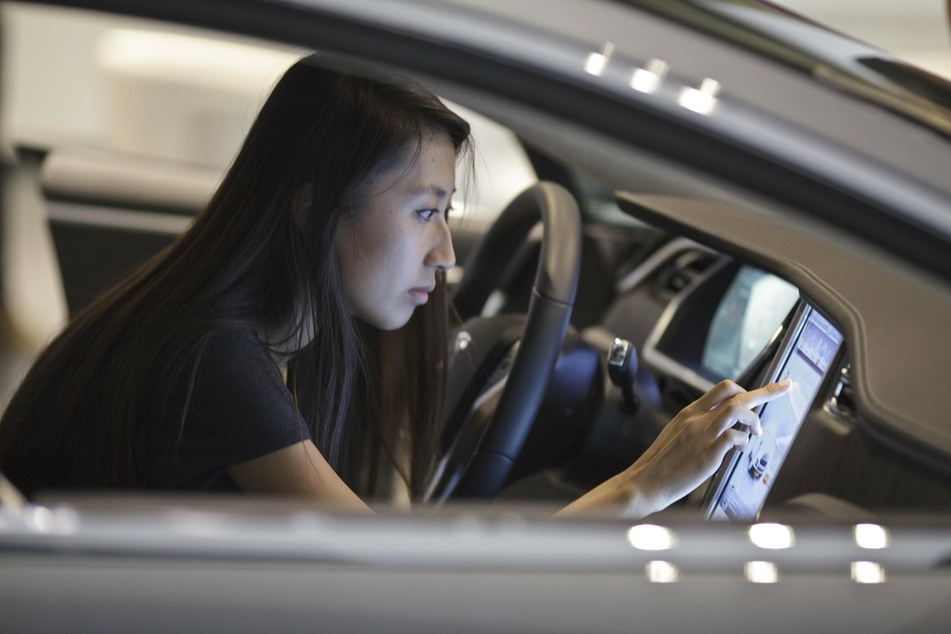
(680, 272)
(841, 405)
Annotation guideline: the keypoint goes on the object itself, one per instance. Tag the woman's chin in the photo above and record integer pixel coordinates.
(391, 321)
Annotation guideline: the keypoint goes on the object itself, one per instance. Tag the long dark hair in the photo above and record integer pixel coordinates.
(262, 256)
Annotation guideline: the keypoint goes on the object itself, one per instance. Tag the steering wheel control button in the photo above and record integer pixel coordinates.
(463, 340)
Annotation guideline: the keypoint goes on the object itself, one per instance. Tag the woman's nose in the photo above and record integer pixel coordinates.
(442, 254)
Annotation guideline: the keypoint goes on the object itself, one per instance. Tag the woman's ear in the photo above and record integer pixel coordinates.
(301, 205)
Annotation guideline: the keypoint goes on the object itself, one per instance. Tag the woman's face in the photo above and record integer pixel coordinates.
(390, 251)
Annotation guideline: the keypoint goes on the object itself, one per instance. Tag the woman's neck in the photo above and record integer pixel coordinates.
(285, 343)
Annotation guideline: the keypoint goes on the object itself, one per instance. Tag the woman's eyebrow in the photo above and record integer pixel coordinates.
(435, 190)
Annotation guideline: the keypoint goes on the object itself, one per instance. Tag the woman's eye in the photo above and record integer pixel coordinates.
(427, 214)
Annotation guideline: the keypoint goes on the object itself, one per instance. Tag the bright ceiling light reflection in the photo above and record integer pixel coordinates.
(40, 519)
(867, 572)
(648, 79)
(187, 58)
(598, 61)
(871, 536)
(662, 572)
(772, 536)
(761, 572)
(595, 64)
(702, 100)
(651, 537)
(59, 521)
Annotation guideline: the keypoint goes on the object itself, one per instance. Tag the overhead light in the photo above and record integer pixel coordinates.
(871, 536)
(651, 537)
(700, 100)
(772, 536)
(649, 79)
(867, 572)
(598, 61)
(662, 572)
(761, 572)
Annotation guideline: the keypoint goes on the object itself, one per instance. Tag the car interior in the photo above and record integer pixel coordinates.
(685, 280)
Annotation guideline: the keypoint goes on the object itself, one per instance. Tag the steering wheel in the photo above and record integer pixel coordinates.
(481, 456)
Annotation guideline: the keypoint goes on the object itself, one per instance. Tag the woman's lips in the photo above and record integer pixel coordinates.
(420, 295)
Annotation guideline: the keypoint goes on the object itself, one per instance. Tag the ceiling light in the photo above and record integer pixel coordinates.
(871, 536)
(648, 79)
(700, 100)
(651, 537)
(598, 61)
(867, 572)
(662, 572)
(772, 536)
(761, 572)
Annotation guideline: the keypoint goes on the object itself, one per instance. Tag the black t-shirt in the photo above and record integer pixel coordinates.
(238, 409)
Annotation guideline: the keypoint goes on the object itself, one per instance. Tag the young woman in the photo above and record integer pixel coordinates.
(293, 341)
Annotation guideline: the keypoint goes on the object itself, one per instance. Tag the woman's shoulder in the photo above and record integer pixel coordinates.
(198, 343)
(228, 405)
(232, 340)
(221, 361)
(234, 350)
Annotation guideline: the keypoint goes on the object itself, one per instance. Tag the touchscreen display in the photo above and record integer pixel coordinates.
(807, 361)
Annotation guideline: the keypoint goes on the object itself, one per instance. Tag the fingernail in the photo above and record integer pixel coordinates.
(785, 383)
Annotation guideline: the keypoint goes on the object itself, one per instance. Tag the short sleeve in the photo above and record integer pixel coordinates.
(238, 409)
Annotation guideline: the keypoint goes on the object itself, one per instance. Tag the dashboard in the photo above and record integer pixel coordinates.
(738, 322)
(748, 303)
(730, 320)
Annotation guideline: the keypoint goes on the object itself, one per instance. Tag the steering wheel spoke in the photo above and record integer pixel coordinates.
(487, 439)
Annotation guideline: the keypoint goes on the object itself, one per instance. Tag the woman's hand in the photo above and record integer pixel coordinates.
(692, 446)
(687, 452)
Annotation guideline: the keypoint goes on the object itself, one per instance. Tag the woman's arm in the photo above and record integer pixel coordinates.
(298, 470)
(687, 452)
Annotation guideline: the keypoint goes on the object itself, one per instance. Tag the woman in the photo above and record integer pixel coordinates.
(266, 349)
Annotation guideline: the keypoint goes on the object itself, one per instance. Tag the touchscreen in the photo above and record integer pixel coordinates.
(810, 356)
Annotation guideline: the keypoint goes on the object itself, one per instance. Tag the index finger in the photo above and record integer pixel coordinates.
(764, 394)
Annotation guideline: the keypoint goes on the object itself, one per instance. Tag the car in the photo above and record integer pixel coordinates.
(758, 465)
(726, 191)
